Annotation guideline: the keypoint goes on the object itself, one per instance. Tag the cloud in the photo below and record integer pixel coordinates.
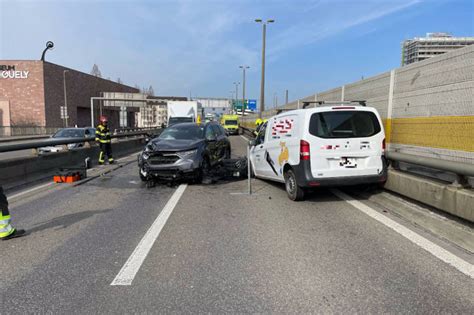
(327, 19)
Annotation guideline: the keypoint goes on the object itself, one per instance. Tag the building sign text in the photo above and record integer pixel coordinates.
(9, 72)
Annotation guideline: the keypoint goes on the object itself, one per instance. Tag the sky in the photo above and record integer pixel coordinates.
(195, 47)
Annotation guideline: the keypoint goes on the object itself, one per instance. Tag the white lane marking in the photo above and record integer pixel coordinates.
(245, 138)
(432, 248)
(30, 190)
(134, 262)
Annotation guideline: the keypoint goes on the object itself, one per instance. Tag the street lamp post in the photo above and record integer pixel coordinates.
(232, 100)
(262, 82)
(243, 87)
(236, 91)
(65, 99)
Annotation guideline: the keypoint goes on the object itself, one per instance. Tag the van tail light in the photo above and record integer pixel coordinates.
(383, 145)
(304, 150)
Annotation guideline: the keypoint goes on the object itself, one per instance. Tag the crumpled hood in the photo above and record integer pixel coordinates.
(175, 145)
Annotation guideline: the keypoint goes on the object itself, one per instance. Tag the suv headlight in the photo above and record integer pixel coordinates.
(186, 154)
(146, 152)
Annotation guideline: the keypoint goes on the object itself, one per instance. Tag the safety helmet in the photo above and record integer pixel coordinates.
(258, 122)
(103, 119)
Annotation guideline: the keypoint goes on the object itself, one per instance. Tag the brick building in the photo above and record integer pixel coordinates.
(32, 93)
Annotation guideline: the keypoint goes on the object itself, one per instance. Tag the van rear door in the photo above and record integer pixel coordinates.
(346, 141)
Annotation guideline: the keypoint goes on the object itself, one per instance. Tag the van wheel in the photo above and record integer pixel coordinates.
(295, 192)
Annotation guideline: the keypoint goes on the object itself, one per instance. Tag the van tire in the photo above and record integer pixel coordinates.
(294, 191)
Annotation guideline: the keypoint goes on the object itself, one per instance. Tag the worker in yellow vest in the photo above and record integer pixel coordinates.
(102, 136)
(6, 230)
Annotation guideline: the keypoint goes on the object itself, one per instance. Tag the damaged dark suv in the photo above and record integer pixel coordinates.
(184, 151)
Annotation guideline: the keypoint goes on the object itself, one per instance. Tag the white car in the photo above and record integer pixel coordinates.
(329, 145)
(65, 133)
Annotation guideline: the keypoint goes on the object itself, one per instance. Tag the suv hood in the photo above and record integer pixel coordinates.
(175, 145)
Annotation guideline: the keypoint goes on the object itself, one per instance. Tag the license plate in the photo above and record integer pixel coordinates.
(236, 174)
(348, 162)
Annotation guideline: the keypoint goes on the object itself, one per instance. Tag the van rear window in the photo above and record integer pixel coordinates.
(344, 124)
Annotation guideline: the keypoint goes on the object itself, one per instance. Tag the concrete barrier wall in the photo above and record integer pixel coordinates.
(427, 107)
(21, 171)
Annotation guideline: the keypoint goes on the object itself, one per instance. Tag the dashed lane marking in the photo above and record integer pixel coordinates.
(437, 251)
(134, 262)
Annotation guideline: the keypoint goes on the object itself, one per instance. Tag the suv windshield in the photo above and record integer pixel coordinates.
(231, 122)
(344, 124)
(177, 120)
(69, 133)
(184, 132)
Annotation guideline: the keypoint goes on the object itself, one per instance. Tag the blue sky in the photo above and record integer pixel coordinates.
(183, 47)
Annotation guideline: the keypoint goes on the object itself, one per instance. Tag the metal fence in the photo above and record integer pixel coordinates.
(15, 131)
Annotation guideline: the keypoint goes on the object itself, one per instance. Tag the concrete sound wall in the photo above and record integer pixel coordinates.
(427, 107)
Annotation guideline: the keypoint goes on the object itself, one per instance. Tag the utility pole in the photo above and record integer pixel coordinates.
(286, 97)
(243, 67)
(262, 82)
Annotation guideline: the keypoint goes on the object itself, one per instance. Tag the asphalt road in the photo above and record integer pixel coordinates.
(219, 252)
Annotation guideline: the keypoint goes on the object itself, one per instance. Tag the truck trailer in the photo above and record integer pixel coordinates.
(184, 111)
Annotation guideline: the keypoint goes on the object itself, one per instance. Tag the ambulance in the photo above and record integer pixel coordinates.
(330, 144)
(230, 124)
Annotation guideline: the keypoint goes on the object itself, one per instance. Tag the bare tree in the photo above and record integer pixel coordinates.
(95, 71)
(150, 91)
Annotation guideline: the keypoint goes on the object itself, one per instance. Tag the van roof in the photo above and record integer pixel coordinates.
(326, 109)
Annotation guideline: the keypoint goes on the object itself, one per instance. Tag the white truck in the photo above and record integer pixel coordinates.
(184, 111)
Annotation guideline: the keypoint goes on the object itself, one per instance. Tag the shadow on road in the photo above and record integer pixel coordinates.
(66, 221)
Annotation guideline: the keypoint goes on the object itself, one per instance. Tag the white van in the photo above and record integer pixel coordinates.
(328, 145)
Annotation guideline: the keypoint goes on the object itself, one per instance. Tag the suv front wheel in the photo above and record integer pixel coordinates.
(294, 191)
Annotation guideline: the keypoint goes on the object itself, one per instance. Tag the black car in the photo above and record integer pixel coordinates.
(184, 151)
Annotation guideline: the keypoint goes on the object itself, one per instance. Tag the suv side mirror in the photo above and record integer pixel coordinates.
(252, 143)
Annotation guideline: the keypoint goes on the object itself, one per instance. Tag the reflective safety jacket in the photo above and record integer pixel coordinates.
(102, 134)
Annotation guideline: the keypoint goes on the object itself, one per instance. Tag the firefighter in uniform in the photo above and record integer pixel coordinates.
(102, 136)
(6, 230)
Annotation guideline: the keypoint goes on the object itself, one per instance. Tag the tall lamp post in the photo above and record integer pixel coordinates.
(243, 87)
(65, 99)
(262, 82)
(232, 100)
(236, 91)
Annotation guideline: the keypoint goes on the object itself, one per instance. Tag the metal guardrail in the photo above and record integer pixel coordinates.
(54, 142)
(461, 170)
